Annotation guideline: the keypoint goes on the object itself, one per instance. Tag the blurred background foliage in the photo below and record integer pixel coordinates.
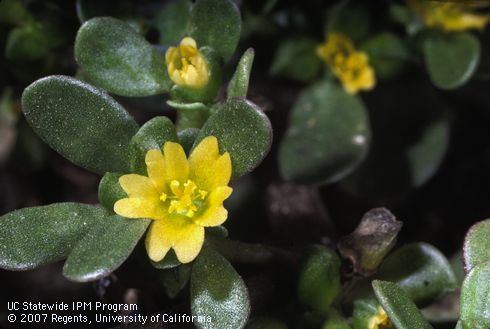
(428, 161)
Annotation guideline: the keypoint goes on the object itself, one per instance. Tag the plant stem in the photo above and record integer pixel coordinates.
(191, 119)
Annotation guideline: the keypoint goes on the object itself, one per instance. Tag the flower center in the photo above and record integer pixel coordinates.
(186, 198)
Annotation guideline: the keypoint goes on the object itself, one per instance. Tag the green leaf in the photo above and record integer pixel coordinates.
(459, 325)
(296, 59)
(243, 130)
(151, 136)
(104, 248)
(172, 21)
(387, 53)
(400, 309)
(80, 122)
(451, 59)
(110, 191)
(476, 248)
(32, 237)
(217, 24)
(27, 43)
(319, 279)
(421, 270)
(327, 138)
(474, 298)
(238, 86)
(175, 279)
(218, 292)
(119, 60)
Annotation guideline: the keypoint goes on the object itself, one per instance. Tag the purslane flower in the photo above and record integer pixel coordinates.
(380, 320)
(181, 196)
(451, 16)
(350, 66)
(186, 65)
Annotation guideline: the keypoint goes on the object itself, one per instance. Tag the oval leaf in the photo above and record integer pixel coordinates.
(105, 247)
(451, 59)
(217, 24)
(421, 270)
(32, 237)
(238, 86)
(152, 135)
(400, 309)
(476, 248)
(243, 130)
(80, 122)
(118, 59)
(218, 292)
(327, 138)
(474, 298)
(319, 279)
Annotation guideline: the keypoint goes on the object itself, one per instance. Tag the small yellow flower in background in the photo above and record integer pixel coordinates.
(350, 66)
(335, 49)
(450, 16)
(180, 195)
(380, 320)
(186, 66)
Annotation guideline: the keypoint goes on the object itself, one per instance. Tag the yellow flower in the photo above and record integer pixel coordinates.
(380, 320)
(335, 49)
(451, 16)
(180, 195)
(351, 67)
(186, 66)
(355, 73)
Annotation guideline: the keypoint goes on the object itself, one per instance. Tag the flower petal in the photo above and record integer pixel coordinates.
(190, 244)
(156, 246)
(215, 214)
(139, 208)
(155, 166)
(179, 233)
(207, 168)
(176, 164)
(137, 186)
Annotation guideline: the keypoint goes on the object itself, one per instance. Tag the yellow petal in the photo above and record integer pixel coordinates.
(155, 165)
(207, 168)
(189, 42)
(190, 244)
(171, 54)
(215, 214)
(179, 233)
(137, 186)
(156, 246)
(139, 208)
(176, 164)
